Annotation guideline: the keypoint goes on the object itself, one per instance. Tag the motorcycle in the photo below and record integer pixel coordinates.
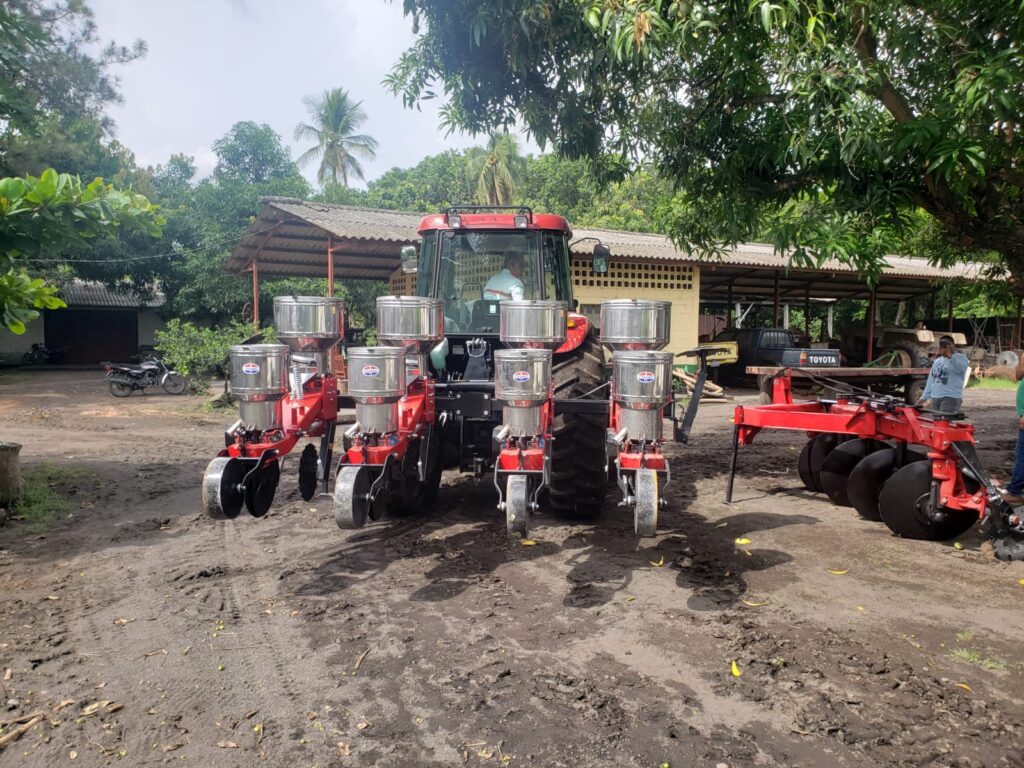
(40, 354)
(124, 378)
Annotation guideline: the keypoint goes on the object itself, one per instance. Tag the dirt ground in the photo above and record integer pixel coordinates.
(149, 635)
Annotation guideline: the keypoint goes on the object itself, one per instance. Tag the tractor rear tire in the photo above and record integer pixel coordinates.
(578, 462)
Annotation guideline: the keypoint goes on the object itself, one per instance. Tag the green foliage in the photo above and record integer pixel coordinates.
(822, 128)
(45, 494)
(42, 216)
(198, 352)
(54, 87)
(336, 118)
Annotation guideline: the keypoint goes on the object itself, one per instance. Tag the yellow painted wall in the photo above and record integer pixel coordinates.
(678, 283)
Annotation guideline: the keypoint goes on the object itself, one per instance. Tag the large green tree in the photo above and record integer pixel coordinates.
(824, 126)
(338, 148)
(55, 84)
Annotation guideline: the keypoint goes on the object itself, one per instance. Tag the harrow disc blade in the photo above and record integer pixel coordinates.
(817, 448)
(259, 492)
(869, 476)
(803, 466)
(840, 462)
(222, 488)
(308, 462)
(903, 505)
(352, 497)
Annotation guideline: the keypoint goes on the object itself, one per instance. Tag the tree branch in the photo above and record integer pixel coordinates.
(866, 46)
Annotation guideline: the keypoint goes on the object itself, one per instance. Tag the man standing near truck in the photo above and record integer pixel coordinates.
(945, 387)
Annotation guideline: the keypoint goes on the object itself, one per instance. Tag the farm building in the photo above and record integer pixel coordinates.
(293, 237)
(98, 324)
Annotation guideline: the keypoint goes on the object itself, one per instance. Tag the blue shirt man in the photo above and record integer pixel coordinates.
(945, 387)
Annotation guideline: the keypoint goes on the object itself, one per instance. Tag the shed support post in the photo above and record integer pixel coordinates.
(807, 314)
(828, 321)
(728, 307)
(775, 302)
(330, 266)
(949, 313)
(872, 308)
(785, 316)
(739, 315)
(255, 295)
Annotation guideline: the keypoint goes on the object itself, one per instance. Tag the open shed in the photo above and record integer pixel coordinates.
(293, 237)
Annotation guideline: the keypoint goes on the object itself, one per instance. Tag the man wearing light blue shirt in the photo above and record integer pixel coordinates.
(945, 387)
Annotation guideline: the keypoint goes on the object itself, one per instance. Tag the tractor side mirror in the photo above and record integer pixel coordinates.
(602, 253)
(410, 260)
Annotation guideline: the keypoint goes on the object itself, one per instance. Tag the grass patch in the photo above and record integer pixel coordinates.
(45, 494)
(974, 657)
(992, 383)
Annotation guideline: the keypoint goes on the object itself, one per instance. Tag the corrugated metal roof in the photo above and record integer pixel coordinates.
(291, 237)
(88, 293)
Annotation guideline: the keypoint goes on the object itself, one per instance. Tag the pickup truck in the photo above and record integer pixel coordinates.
(770, 346)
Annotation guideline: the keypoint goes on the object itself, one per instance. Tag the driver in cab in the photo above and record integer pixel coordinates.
(508, 283)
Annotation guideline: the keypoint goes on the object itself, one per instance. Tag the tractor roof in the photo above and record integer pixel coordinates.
(474, 221)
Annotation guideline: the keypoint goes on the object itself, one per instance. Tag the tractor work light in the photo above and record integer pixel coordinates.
(520, 222)
(454, 220)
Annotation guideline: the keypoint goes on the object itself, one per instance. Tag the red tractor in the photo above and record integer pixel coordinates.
(485, 369)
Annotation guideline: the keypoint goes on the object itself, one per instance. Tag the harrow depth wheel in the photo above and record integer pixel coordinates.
(517, 506)
(222, 488)
(837, 467)
(352, 497)
(868, 477)
(903, 505)
(645, 504)
(259, 493)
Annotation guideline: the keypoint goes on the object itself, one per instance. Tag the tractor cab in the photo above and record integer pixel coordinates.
(474, 258)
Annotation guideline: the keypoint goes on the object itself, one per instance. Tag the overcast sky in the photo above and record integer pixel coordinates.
(212, 63)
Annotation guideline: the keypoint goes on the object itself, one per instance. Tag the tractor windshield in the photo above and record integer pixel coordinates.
(478, 270)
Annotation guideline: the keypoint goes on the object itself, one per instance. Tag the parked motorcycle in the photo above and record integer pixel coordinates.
(125, 378)
(40, 354)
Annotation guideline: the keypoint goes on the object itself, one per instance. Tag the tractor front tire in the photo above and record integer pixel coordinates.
(578, 462)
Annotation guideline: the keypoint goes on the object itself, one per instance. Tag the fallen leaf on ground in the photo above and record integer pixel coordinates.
(171, 747)
(122, 622)
(362, 726)
(9, 673)
(721, 525)
(630, 598)
(661, 562)
(528, 543)
(72, 754)
(104, 706)
(957, 545)
(860, 607)
(742, 541)
(157, 652)
(53, 597)
(839, 573)
(62, 704)
(736, 671)
(751, 603)
(965, 686)
(1021, 582)
(486, 754)
(344, 749)
(227, 745)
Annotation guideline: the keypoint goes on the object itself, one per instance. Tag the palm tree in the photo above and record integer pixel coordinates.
(335, 120)
(497, 169)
